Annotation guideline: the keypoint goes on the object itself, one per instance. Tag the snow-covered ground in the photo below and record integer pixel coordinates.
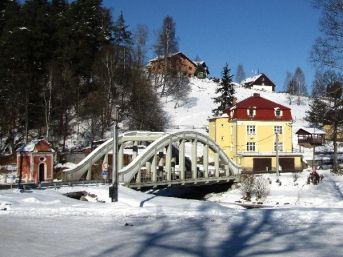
(305, 220)
(299, 220)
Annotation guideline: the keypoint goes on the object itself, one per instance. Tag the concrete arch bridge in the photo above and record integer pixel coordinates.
(180, 158)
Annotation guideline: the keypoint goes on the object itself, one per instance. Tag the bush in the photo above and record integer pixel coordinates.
(261, 188)
(247, 187)
(257, 186)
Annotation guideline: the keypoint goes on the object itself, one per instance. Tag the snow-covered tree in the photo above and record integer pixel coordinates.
(225, 92)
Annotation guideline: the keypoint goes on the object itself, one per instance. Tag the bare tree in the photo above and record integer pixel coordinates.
(322, 80)
(240, 73)
(140, 42)
(327, 50)
(166, 44)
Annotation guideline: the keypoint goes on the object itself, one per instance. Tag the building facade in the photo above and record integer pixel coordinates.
(260, 82)
(178, 63)
(256, 133)
(35, 161)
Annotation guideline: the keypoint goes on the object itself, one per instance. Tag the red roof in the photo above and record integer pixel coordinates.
(262, 109)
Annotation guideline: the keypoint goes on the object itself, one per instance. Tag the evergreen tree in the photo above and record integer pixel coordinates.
(123, 41)
(225, 92)
(316, 113)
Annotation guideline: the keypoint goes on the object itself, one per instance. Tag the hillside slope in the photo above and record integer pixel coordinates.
(198, 108)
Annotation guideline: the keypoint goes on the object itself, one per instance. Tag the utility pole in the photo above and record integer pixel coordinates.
(113, 190)
(314, 150)
(277, 153)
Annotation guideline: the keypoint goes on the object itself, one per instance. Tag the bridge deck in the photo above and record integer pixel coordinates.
(188, 182)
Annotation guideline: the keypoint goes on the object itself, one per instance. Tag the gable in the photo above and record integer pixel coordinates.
(259, 108)
(258, 80)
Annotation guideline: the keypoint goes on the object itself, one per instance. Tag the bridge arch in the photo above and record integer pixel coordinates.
(145, 168)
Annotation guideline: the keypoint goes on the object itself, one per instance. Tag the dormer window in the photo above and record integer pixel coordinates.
(251, 111)
(278, 112)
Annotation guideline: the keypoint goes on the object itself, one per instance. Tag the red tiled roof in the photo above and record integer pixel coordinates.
(265, 109)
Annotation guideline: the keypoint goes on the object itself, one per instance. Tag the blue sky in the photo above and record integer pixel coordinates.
(270, 36)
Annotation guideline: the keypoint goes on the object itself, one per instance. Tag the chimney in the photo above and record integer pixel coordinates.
(256, 95)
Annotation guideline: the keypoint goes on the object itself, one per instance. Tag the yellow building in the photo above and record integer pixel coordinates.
(250, 131)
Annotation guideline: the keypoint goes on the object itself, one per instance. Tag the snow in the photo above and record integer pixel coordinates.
(299, 219)
(313, 130)
(45, 222)
(250, 79)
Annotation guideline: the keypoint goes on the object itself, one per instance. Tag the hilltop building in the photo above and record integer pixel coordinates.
(179, 64)
(253, 132)
(260, 82)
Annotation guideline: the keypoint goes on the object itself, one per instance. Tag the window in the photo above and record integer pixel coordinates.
(278, 112)
(251, 146)
(251, 112)
(278, 130)
(222, 138)
(251, 130)
(280, 147)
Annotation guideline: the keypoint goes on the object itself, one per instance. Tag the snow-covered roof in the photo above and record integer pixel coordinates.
(311, 130)
(31, 146)
(251, 79)
(171, 55)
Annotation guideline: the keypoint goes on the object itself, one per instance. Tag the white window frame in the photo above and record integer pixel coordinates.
(251, 112)
(276, 110)
(278, 130)
(251, 147)
(251, 129)
(280, 146)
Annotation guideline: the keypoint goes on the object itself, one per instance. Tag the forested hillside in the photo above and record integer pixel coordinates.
(62, 64)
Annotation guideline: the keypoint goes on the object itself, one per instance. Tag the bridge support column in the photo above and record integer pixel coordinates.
(134, 150)
(227, 170)
(216, 164)
(120, 156)
(194, 158)
(153, 168)
(168, 160)
(89, 172)
(205, 160)
(148, 171)
(182, 159)
(139, 175)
